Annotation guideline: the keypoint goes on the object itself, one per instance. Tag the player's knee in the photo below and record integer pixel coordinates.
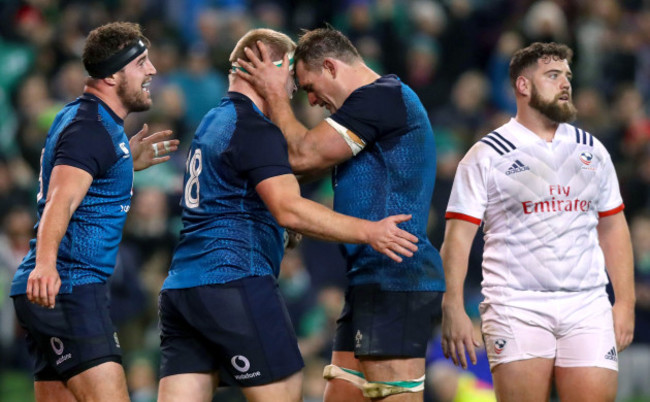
(381, 389)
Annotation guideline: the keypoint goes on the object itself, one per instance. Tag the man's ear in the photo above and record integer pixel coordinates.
(111, 80)
(523, 85)
(330, 66)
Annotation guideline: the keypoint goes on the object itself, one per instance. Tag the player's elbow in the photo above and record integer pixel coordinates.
(287, 219)
(285, 211)
(300, 164)
(306, 161)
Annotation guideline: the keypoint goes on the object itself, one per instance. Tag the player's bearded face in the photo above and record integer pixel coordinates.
(556, 109)
(134, 98)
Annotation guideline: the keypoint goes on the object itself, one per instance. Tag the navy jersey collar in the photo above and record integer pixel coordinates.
(92, 98)
(240, 96)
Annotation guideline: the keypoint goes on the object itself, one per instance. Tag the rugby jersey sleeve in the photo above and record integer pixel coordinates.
(610, 201)
(261, 152)
(469, 194)
(85, 144)
(374, 111)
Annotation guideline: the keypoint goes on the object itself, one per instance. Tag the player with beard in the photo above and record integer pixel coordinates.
(222, 320)
(548, 197)
(380, 144)
(85, 186)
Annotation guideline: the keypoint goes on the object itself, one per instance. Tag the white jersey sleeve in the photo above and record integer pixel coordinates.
(610, 201)
(469, 194)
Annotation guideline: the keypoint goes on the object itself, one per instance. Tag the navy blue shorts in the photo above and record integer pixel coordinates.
(74, 336)
(240, 329)
(383, 324)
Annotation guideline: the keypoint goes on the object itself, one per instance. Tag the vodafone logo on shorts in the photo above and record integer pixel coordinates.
(241, 363)
(57, 345)
(499, 344)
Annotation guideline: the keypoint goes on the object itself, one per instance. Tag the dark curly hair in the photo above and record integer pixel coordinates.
(315, 45)
(528, 56)
(105, 41)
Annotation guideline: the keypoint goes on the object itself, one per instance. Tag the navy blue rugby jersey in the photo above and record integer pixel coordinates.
(86, 134)
(228, 233)
(394, 174)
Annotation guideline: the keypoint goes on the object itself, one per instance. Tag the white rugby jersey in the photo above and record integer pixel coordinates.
(540, 203)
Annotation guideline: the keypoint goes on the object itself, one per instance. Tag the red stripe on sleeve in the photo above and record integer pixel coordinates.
(611, 211)
(456, 215)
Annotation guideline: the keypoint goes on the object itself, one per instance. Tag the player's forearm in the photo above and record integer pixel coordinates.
(622, 278)
(315, 220)
(614, 239)
(68, 187)
(51, 230)
(282, 115)
(455, 267)
(455, 256)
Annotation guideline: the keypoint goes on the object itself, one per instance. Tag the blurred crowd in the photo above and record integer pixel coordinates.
(453, 53)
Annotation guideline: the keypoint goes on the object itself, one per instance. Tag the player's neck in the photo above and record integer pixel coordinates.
(109, 97)
(536, 122)
(244, 88)
(359, 75)
(368, 75)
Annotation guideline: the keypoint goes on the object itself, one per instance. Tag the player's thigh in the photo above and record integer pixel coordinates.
(587, 360)
(523, 380)
(589, 339)
(249, 339)
(105, 382)
(514, 334)
(389, 369)
(182, 348)
(189, 387)
(52, 391)
(380, 324)
(586, 384)
(346, 359)
(74, 336)
(288, 389)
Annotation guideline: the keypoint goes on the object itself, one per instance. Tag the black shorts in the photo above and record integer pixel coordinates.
(74, 336)
(377, 323)
(240, 329)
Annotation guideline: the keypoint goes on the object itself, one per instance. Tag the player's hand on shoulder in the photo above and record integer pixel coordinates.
(151, 149)
(43, 285)
(387, 238)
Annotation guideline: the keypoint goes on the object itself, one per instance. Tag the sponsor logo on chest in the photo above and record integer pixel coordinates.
(558, 199)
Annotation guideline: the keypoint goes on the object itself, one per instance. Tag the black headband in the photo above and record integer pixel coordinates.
(117, 61)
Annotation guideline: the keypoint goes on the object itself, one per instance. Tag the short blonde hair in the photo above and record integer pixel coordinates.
(276, 42)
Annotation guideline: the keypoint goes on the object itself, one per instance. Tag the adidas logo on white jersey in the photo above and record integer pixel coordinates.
(516, 168)
(611, 355)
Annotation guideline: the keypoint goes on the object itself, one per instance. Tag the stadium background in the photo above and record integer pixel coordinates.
(453, 53)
